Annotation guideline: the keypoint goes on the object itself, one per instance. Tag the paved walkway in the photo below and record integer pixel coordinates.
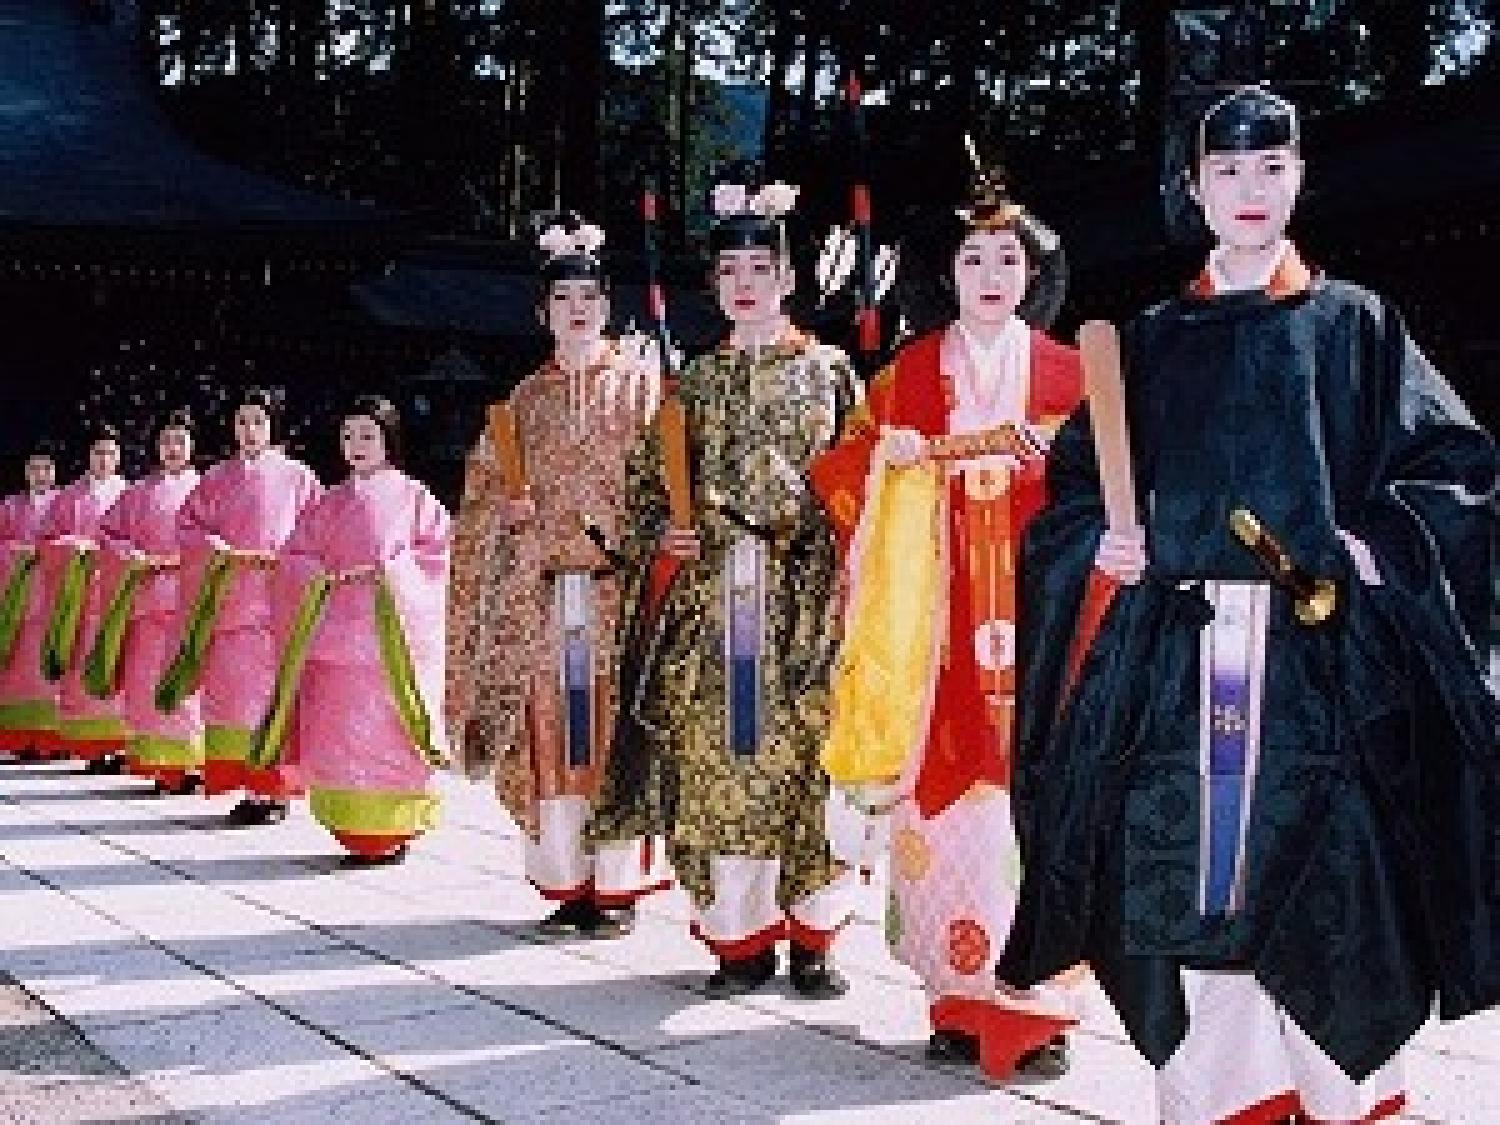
(51, 1074)
(246, 977)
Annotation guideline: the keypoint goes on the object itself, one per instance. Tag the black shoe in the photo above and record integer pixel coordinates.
(189, 785)
(610, 923)
(954, 1048)
(112, 764)
(741, 976)
(96, 766)
(569, 919)
(29, 755)
(255, 814)
(814, 976)
(1048, 1062)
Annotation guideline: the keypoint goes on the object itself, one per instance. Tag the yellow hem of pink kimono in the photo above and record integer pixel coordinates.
(29, 715)
(92, 730)
(157, 751)
(368, 812)
(227, 744)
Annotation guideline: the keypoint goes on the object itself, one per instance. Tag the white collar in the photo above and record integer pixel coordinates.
(1261, 281)
(993, 363)
(988, 354)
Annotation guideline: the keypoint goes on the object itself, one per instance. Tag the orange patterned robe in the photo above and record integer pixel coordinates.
(504, 706)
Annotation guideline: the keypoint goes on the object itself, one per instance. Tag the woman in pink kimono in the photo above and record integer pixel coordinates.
(361, 599)
(230, 532)
(28, 702)
(73, 594)
(139, 538)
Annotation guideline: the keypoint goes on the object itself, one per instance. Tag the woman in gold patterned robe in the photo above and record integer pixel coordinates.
(730, 690)
(535, 604)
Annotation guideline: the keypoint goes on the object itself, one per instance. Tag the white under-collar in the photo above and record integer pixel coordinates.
(993, 367)
(1260, 281)
(990, 382)
(987, 357)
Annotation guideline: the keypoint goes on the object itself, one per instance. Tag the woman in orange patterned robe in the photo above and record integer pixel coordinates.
(535, 605)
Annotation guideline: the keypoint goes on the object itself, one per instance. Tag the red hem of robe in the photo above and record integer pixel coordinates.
(1004, 1034)
(1382, 1111)
(93, 749)
(744, 948)
(1268, 1112)
(372, 846)
(220, 777)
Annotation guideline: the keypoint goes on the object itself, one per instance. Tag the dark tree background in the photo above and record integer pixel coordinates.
(472, 113)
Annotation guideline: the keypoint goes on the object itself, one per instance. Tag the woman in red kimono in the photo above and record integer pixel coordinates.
(929, 492)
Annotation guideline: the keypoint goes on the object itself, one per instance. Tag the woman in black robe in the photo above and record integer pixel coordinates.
(1313, 862)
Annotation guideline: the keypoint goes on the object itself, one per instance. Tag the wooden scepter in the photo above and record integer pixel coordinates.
(1099, 351)
(672, 420)
(505, 436)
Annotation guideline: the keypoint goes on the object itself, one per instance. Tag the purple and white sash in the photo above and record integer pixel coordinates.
(1232, 665)
(744, 643)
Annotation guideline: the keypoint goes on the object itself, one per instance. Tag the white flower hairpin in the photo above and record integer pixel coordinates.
(558, 242)
(771, 202)
(730, 199)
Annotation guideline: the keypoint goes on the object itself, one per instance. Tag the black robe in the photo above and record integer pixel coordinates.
(1373, 853)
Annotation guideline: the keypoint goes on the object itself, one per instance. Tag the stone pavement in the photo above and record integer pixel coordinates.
(49, 1073)
(243, 976)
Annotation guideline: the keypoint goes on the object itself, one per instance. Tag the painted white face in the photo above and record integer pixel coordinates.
(175, 448)
(752, 283)
(252, 429)
(104, 458)
(577, 312)
(990, 272)
(41, 473)
(1248, 197)
(363, 443)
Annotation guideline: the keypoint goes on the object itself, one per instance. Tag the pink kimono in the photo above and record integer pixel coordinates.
(88, 728)
(367, 778)
(28, 702)
(165, 746)
(241, 504)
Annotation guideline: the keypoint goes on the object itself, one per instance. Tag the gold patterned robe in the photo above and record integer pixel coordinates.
(503, 697)
(755, 421)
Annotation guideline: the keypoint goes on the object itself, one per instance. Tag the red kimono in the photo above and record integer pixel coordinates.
(955, 865)
(914, 392)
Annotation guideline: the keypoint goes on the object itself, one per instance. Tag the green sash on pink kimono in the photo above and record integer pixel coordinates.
(270, 737)
(395, 656)
(67, 615)
(185, 672)
(13, 604)
(400, 671)
(101, 671)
